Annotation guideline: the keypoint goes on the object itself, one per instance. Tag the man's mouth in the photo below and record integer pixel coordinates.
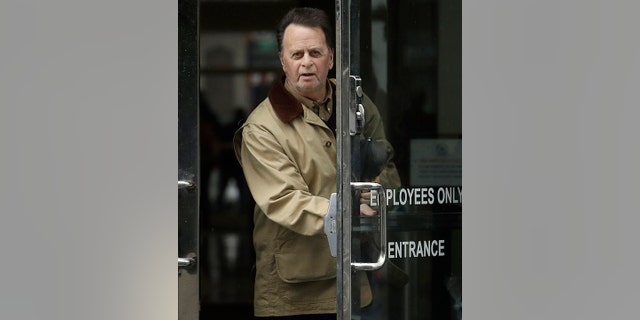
(305, 75)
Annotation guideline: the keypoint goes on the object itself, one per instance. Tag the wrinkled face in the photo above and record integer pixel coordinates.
(306, 60)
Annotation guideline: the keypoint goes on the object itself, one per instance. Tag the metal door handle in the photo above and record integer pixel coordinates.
(330, 225)
(382, 204)
(186, 262)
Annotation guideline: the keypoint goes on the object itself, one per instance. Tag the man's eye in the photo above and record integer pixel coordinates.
(296, 55)
(316, 54)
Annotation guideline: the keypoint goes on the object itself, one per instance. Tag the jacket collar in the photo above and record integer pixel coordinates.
(286, 106)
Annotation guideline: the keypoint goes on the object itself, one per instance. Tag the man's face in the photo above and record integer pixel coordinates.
(306, 60)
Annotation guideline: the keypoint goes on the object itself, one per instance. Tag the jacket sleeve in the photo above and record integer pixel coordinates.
(276, 184)
(374, 129)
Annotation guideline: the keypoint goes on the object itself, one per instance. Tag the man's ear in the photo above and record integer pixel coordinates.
(281, 61)
(332, 53)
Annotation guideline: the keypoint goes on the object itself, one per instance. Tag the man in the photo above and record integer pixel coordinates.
(287, 149)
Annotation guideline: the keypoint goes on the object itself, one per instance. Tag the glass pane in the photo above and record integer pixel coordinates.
(410, 63)
(237, 68)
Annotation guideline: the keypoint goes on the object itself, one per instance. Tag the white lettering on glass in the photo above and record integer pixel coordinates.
(424, 196)
(415, 249)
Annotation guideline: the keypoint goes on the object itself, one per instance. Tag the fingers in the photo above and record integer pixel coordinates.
(366, 210)
(365, 197)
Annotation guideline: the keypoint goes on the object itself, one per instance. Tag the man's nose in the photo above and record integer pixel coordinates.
(306, 59)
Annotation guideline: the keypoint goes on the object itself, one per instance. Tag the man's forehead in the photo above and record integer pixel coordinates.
(305, 46)
(296, 32)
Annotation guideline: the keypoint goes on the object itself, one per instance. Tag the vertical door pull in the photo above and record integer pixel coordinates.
(382, 205)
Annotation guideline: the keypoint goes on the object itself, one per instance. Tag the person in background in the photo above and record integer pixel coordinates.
(287, 150)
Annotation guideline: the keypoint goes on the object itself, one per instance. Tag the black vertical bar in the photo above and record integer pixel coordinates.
(188, 158)
(354, 35)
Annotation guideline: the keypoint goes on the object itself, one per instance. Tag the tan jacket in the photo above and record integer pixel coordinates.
(288, 155)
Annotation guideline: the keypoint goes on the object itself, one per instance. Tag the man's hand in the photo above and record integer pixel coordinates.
(366, 210)
(365, 201)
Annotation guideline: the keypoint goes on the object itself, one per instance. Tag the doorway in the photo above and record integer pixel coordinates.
(238, 62)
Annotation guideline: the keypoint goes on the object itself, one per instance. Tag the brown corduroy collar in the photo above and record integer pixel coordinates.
(286, 106)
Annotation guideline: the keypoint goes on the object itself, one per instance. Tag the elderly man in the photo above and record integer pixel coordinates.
(287, 149)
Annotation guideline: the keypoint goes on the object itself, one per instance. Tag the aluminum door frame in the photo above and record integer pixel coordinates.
(188, 161)
(346, 66)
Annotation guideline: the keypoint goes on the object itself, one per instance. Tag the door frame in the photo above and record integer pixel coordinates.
(188, 161)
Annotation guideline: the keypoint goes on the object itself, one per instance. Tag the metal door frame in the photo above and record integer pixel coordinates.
(188, 161)
(345, 61)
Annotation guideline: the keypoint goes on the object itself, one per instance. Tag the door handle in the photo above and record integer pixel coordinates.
(186, 262)
(382, 204)
(330, 225)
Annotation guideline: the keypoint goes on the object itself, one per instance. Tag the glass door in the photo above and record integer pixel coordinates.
(399, 204)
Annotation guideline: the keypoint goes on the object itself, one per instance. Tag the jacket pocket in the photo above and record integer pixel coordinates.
(305, 258)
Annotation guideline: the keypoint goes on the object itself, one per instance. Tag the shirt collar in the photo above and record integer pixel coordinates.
(323, 109)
